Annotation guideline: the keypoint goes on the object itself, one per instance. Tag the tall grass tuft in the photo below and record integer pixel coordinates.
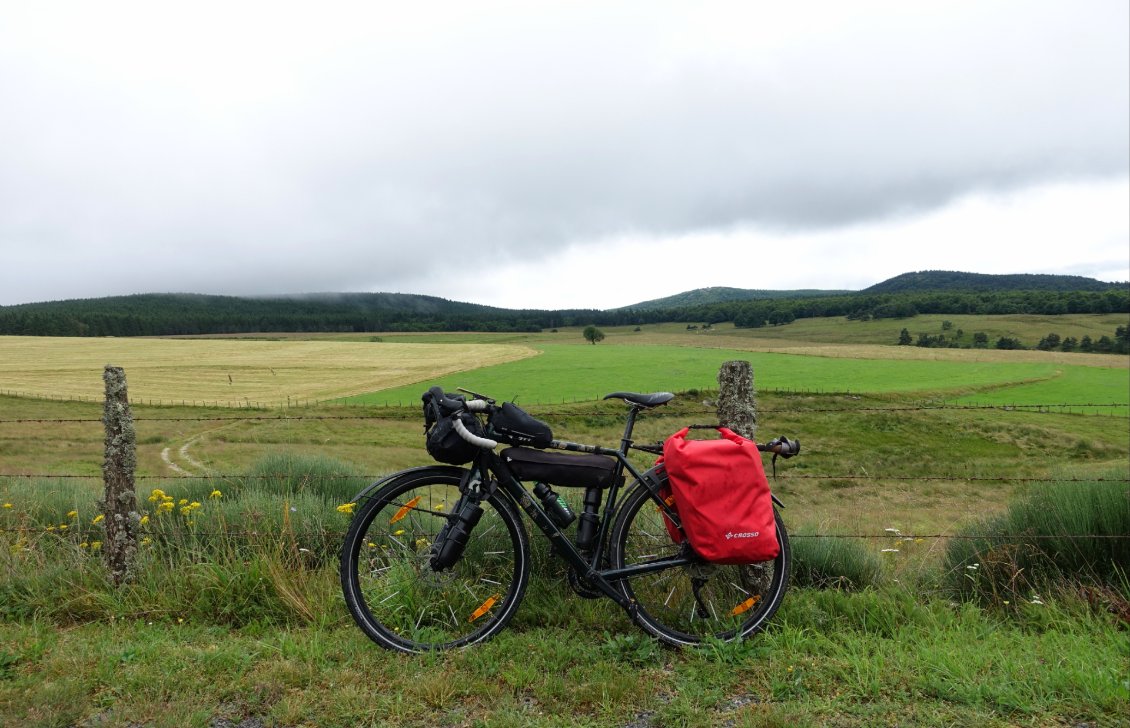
(1059, 534)
(838, 563)
(292, 473)
(258, 549)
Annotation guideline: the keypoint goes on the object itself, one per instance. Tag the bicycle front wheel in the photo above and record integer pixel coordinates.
(685, 605)
(393, 593)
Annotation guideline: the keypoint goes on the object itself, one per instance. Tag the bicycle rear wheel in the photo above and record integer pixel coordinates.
(685, 605)
(393, 593)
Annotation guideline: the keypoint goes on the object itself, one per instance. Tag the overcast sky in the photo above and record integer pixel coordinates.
(557, 155)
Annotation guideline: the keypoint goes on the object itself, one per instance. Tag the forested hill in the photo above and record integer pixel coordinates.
(157, 314)
(721, 294)
(905, 296)
(945, 280)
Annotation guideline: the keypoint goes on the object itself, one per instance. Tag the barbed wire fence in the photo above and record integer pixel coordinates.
(370, 413)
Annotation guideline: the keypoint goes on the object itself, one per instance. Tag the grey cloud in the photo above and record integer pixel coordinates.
(362, 162)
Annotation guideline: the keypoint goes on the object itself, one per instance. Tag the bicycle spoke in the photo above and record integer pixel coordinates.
(399, 599)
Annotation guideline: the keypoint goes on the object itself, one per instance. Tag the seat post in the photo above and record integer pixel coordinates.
(626, 441)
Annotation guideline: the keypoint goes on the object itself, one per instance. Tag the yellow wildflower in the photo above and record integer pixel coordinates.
(7, 505)
(165, 507)
(62, 527)
(346, 508)
(84, 545)
(145, 541)
(194, 504)
(72, 514)
(52, 528)
(98, 518)
(215, 494)
(95, 545)
(145, 520)
(182, 502)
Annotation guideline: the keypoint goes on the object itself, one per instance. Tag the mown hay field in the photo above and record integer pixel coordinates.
(231, 372)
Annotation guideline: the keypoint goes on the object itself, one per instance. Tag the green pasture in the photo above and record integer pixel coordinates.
(1028, 328)
(579, 373)
(1070, 385)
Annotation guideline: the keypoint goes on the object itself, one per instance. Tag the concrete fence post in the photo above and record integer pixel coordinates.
(737, 405)
(119, 503)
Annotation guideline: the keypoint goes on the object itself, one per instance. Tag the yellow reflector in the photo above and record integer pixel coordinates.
(745, 606)
(484, 608)
(404, 511)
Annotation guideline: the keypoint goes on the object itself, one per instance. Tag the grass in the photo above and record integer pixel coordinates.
(1028, 328)
(1078, 385)
(230, 372)
(238, 616)
(1033, 544)
(880, 657)
(574, 373)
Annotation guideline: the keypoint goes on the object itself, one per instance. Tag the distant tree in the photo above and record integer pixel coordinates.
(947, 325)
(980, 340)
(1122, 340)
(904, 338)
(1049, 342)
(1008, 342)
(1070, 343)
(593, 334)
(1104, 345)
(1086, 345)
(781, 316)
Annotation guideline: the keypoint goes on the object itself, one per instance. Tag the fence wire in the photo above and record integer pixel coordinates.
(1048, 408)
(186, 534)
(779, 479)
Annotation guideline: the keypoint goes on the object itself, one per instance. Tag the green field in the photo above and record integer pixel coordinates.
(235, 617)
(579, 373)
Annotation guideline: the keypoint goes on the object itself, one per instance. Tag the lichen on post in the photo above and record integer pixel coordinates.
(737, 404)
(119, 504)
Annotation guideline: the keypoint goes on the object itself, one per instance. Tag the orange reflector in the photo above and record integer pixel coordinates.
(484, 608)
(670, 500)
(745, 606)
(404, 511)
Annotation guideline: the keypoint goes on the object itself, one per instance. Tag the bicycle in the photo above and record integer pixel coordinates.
(438, 556)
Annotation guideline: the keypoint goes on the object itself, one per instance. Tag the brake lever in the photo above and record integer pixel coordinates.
(476, 395)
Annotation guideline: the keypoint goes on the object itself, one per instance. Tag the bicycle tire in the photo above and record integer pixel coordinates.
(730, 602)
(395, 596)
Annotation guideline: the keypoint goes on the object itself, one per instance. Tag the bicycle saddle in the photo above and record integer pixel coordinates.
(642, 400)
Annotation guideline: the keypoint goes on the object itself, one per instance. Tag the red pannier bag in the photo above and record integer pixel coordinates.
(722, 497)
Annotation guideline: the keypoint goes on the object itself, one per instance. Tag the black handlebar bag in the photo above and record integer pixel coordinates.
(445, 444)
(722, 497)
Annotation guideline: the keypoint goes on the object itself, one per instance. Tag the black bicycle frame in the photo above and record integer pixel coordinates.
(604, 580)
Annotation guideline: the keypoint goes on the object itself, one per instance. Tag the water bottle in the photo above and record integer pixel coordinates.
(553, 505)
